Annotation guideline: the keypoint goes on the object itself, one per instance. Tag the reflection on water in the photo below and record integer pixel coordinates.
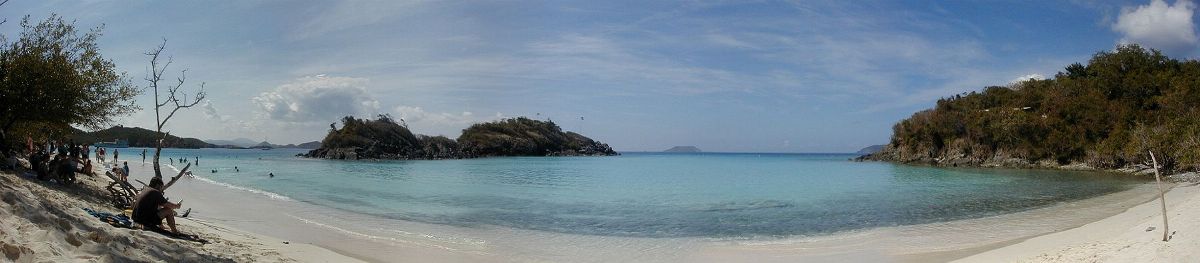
(657, 195)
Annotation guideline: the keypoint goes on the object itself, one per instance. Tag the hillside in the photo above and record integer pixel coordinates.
(137, 137)
(383, 138)
(871, 149)
(239, 142)
(1104, 115)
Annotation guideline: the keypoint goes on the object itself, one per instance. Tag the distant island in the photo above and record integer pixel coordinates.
(137, 137)
(1104, 115)
(683, 149)
(871, 149)
(383, 138)
(243, 143)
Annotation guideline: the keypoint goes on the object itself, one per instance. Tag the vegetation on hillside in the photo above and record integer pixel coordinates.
(1106, 114)
(383, 138)
(137, 137)
(526, 137)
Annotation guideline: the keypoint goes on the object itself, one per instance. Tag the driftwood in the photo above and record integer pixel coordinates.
(123, 193)
(176, 178)
(1162, 196)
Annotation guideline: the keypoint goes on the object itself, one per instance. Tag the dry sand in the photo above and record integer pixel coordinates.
(1132, 236)
(45, 222)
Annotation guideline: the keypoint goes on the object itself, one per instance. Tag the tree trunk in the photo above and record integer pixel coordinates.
(1161, 196)
(157, 153)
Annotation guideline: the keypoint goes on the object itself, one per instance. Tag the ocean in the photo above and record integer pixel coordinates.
(648, 195)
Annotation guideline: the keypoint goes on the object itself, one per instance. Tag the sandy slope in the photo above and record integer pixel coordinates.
(45, 222)
(1132, 236)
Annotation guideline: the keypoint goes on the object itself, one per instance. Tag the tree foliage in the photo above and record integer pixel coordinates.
(1107, 114)
(53, 77)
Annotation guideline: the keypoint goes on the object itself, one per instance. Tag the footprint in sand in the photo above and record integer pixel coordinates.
(13, 252)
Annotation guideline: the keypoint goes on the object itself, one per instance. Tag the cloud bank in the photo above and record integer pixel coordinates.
(317, 99)
(1157, 25)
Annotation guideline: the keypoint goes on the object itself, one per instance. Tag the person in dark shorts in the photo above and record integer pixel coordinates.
(152, 207)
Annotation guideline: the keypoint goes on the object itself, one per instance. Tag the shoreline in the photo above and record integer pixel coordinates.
(42, 222)
(318, 233)
(1133, 235)
(343, 232)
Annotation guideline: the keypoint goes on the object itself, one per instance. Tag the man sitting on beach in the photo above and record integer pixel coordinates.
(151, 207)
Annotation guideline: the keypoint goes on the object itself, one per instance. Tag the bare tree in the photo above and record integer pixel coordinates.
(171, 103)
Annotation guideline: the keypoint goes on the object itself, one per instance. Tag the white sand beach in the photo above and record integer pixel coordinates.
(45, 222)
(1132, 236)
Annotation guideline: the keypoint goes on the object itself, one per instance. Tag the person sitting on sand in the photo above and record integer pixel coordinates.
(152, 207)
(66, 169)
(87, 167)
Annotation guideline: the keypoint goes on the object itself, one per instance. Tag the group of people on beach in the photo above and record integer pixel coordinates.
(59, 162)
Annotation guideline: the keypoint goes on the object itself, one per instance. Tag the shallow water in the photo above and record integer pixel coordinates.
(652, 194)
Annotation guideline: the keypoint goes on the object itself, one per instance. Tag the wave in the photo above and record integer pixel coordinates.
(235, 187)
(369, 237)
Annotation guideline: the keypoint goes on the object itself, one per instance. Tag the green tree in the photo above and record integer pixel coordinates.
(53, 77)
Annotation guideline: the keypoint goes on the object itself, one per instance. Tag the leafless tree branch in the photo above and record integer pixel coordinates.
(170, 100)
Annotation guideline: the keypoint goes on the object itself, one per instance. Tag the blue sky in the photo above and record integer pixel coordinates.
(745, 76)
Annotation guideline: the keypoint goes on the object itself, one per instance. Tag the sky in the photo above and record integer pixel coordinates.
(736, 76)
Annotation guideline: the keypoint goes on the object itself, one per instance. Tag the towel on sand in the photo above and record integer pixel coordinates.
(123, 221)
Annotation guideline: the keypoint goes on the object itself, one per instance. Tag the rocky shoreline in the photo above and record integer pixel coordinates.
(890, 154)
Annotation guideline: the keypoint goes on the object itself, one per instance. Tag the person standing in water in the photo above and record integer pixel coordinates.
(197, 160)
(143, 155)
(271, 174)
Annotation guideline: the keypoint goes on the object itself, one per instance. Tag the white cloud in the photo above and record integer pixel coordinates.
(210, 112)
(1157, 25)
(1027, 77)
(317, 99)
(439, 123)
(416, 115)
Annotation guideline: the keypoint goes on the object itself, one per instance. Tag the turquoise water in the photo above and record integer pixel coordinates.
(718, 195)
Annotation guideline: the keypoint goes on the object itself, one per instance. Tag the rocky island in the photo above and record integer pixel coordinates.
(1106, 115)
(383, 138)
